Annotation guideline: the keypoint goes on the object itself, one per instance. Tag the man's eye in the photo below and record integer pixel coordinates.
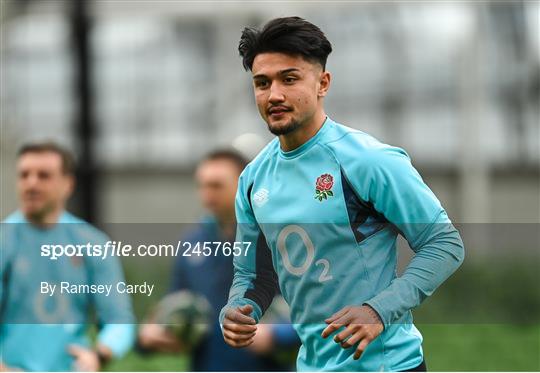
(290, 79)
(261, 84)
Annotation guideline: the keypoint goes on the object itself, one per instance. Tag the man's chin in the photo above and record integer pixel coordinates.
(280, 128)
(34, 213)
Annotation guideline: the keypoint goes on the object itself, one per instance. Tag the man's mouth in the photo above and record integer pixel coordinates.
(32, 196)
(278, 110)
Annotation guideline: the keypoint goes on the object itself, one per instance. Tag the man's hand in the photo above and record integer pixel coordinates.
(86, 360)
(362, 325)
(156, 337)
(238, 327)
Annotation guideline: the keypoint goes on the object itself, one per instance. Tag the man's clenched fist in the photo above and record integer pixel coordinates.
(239, 327)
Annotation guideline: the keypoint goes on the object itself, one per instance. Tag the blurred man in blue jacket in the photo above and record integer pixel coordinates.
(211, 276)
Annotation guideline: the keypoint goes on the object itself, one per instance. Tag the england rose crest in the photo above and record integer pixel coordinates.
(323, 187)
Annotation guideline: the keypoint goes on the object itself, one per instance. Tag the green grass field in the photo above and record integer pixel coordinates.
(458, 347)
(488, 347)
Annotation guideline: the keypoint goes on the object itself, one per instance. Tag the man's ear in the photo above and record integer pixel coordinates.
(324, 83)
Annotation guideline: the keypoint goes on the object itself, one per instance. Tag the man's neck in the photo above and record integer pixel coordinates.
(299, 137)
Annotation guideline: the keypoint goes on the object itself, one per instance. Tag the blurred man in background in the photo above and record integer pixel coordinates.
(47, 332)
(217, 181)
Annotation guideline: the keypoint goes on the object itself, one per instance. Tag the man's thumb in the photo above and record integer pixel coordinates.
(246, 309)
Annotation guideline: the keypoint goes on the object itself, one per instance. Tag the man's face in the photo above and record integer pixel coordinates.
(287, 90)
(41, 184)
(217, 181)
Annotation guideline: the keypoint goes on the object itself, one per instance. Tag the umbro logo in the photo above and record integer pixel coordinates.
(260, 197)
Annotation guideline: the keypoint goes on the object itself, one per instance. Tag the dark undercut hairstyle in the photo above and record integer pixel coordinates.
(289, 35)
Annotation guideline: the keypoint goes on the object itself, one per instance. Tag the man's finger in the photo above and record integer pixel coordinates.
(345, 333)
(330, 329)
(337, 315)
(354, 339)
(237, 317)
(360, 349)
(237, 337)
(233, 343)
(240, 328)
(246, 343)
(246, 309)
(344, 320)
(229, 341)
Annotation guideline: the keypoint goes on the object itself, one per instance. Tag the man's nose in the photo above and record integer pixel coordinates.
(276, 94)
(30, 180)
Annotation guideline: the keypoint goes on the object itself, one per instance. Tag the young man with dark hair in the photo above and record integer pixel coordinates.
(323, 205)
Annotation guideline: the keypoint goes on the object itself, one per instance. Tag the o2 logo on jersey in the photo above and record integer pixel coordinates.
(310, 251)
(50, 309)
